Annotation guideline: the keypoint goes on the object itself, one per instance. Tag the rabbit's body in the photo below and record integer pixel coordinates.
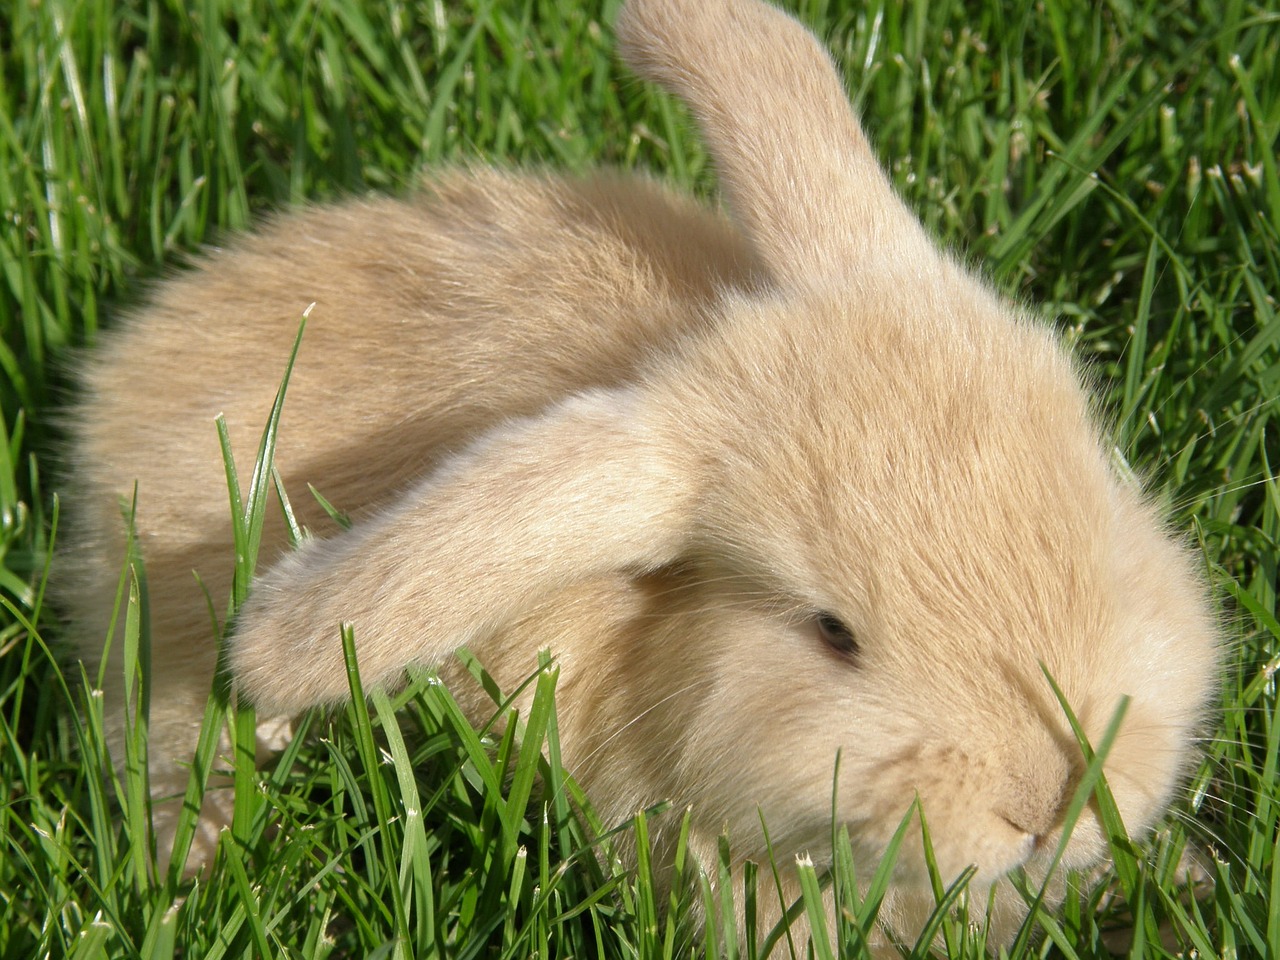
(486, 298)
(770, 491)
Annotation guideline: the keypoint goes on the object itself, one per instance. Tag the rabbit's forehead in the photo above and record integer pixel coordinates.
(887, 382)
(884, 451)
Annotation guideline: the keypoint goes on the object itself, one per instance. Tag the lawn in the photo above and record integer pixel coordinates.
(1114, 163)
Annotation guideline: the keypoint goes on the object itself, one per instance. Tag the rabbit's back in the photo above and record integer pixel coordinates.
(486, 297)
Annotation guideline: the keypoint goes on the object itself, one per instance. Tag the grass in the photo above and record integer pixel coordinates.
(1114, 161)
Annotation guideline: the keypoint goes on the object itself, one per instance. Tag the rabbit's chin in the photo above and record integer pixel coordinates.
(995, 911)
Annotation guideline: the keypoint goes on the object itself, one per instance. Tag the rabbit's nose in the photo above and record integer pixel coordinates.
(1035, 794)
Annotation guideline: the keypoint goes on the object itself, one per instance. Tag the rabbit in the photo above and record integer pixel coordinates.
(773, 487)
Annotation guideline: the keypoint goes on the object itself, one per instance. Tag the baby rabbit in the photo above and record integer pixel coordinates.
(771, 488)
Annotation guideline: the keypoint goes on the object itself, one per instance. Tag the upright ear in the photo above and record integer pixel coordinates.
(534, 506)
(793, 161)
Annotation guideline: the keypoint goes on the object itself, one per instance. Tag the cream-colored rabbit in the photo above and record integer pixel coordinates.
(770, 489)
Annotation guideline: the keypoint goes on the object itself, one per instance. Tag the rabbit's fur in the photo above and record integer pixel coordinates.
(680, 452)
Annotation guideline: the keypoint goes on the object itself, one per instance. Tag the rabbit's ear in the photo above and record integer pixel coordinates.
(794, 163)
(532, 507)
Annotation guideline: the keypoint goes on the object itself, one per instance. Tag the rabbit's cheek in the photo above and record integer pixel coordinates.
(1150, 757)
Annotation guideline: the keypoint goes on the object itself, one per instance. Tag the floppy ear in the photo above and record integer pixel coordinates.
(793, 161)
(531, 507)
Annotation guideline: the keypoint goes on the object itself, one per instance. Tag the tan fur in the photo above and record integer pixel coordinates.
(589, 416)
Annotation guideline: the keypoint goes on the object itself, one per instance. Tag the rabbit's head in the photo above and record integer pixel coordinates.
(904, 519)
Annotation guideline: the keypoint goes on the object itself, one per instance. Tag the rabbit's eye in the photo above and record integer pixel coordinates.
(837, 634)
